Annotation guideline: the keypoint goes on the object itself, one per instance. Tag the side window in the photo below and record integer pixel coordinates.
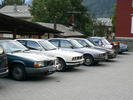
(33, 45)
(55, 42)
(22, 42)
(65, 44)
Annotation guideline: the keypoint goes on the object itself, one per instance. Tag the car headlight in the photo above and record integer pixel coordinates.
(100, 55)
(38, 64)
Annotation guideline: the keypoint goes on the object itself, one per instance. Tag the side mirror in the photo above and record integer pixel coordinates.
(1, 51)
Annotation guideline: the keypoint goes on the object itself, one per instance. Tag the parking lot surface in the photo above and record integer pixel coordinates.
(112, 80)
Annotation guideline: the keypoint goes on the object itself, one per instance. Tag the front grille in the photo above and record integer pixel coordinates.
(49, 63)
(3, 70)
(77, 58)
(102, 55)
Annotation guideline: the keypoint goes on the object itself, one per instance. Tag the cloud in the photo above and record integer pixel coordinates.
(28, 2)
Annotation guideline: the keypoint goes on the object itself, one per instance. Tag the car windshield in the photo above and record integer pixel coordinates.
(89, 43)
(12, 46)
(47, 45)
(96, 42)
(82, 42)
(106, 42)
(76, 44)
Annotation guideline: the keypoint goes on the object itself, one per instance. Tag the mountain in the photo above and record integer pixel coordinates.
(100, 8)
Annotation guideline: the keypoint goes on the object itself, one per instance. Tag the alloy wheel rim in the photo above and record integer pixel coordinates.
(17, 73)
(87, 61)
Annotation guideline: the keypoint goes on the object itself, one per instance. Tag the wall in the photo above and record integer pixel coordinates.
(123, 18)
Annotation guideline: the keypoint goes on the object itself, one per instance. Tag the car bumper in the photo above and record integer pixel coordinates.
(110, 56)
(76, 63)
(123, 50)
(99, 59)
(3, 72)
(44, 70)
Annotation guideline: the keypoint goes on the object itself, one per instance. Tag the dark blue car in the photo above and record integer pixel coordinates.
(123, 48)
(3, 63)
(22, 62)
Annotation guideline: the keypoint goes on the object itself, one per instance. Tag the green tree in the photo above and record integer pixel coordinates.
(114, 19)
(61, 11)
(11, 2)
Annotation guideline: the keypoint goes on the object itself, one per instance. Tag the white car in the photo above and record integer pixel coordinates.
(66, 59)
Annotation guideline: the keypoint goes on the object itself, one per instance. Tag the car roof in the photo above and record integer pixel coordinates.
(97, 37)
(6, 40)
(64, 38)
(32, 39)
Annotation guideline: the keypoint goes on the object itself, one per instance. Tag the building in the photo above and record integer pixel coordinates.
(11, 27)
(67, 31)
(17, 11)
(124, 22)
(124, 18)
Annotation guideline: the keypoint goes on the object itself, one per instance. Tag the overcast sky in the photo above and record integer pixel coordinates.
(28, 2)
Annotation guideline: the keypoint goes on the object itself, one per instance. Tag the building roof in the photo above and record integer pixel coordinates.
(67, 31)
(105, 21)
(10, 25)
(18, 11)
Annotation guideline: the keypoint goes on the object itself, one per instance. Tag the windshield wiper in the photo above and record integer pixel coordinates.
(16, 51)
(53, 49)
(26, 50)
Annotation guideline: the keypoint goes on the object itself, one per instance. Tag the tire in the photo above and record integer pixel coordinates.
(88, 60)
(18, 72)
(61, 65)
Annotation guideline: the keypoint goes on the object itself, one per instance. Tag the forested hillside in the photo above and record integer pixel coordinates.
(100, 8)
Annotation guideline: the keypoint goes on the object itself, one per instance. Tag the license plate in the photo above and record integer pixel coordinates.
(81, 62)
(51, 69)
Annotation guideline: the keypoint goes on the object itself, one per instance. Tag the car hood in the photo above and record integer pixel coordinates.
(89, 50)
(108, 46)
(103, 48)
(31, 56)
(61, 53)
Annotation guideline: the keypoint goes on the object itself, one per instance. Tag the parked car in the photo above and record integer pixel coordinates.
(87, 43)
(123, 48)
(66, 59)
(103, 42)
(3, 63)
(22, 62)
(90, 55)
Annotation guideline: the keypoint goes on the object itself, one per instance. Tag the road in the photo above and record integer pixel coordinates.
(112, 80)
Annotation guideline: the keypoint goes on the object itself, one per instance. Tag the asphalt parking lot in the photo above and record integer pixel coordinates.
(112, 80)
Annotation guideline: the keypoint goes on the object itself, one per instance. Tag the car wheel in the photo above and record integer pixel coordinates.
(88, 60)
(61, 65)
(18, 72)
